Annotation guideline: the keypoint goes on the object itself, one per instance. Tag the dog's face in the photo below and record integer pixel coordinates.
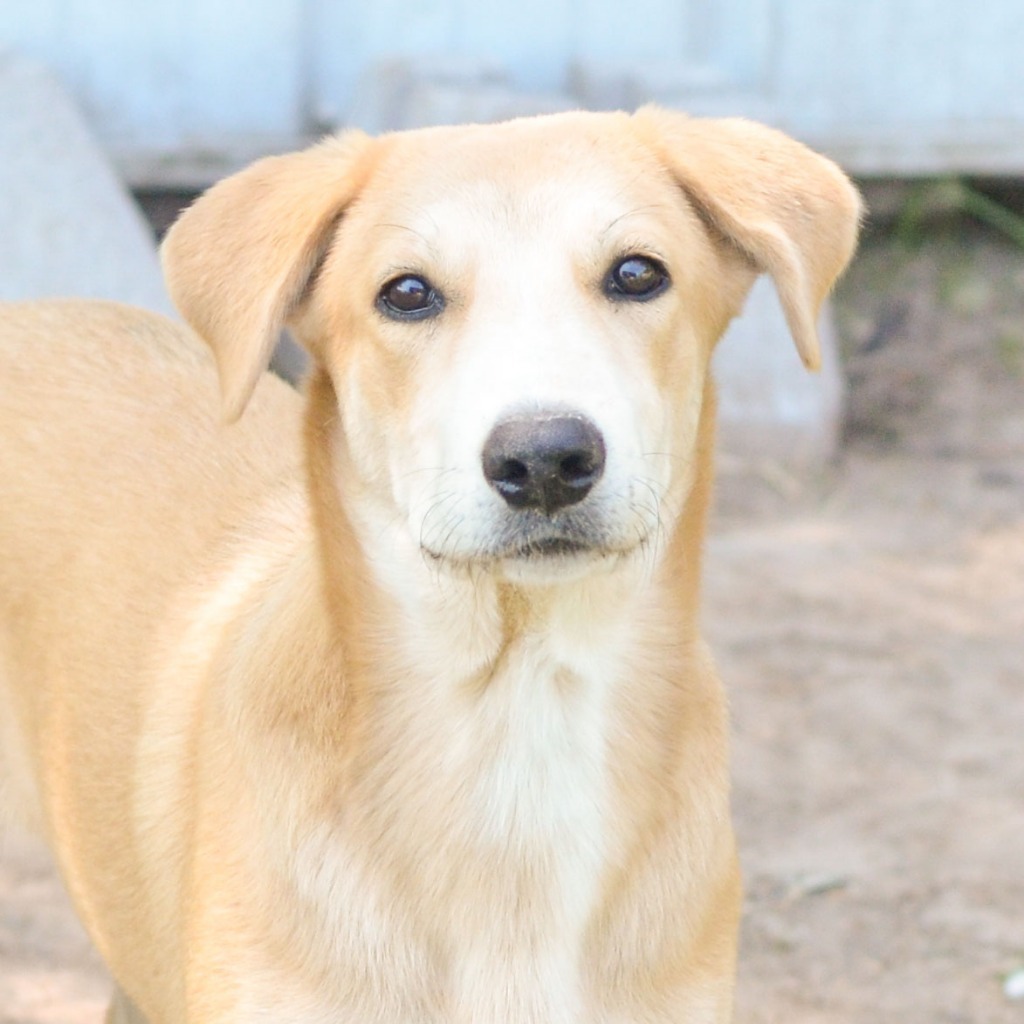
(518, 334)
(517, 319)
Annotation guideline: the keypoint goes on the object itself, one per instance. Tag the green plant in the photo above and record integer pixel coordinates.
(954, 196)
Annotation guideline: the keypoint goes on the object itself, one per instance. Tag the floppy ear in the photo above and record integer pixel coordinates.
(239, 260)
(792, 212)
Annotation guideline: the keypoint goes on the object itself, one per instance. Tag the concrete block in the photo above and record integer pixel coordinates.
(770, 407)
(419, 92)
(68, 226)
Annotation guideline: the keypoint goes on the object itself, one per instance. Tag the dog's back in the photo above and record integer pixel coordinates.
(103, 407)
(124, 483)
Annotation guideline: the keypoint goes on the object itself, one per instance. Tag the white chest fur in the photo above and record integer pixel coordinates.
(536, 805)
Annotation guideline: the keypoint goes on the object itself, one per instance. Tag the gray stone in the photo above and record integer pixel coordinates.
(68, 226)
(770, 407)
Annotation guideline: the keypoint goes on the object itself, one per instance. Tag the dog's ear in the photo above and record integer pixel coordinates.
(239, 261)
(791, 211)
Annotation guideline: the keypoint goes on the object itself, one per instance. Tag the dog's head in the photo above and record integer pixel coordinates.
(517, 319)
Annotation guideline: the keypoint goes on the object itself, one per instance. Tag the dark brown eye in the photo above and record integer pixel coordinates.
(409, 298)
(637, 278)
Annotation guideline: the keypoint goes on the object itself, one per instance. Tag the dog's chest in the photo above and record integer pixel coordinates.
(485, 821)
(498, 841)
(528, 766)
(533, 747)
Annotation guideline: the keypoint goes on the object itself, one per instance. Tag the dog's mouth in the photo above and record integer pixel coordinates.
(535, 538)
(551, 547)
(544, 549)
(568, 547)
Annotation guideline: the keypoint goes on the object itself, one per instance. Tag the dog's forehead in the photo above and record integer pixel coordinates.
(531, 172)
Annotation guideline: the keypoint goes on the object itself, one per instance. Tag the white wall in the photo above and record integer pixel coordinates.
(183, 89)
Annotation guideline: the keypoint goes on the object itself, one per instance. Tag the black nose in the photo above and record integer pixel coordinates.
(544, 461)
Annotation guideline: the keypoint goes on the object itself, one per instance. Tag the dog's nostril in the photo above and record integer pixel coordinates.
(544, 461)
(512, 471)
(575, 468)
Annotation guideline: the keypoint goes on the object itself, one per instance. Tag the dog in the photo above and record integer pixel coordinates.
(387, 704)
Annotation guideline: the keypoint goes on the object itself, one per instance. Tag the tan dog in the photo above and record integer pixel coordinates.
(388, 705)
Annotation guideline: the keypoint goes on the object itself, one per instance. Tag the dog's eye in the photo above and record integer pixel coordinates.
(409, 298)
(636, 277)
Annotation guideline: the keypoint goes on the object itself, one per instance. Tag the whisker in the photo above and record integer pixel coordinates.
(658, 536)
(426, 528)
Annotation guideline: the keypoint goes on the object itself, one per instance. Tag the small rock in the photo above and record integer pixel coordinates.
(817, 884)
(1013, 985)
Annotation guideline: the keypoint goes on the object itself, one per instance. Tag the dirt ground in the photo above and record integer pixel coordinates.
(869, 623)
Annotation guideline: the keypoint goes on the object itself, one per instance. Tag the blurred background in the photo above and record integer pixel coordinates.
(181, 91)
(865, 579)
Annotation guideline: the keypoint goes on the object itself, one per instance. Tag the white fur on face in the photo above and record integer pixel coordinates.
(527, 327)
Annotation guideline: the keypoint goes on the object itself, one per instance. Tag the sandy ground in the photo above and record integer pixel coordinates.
(870, 626)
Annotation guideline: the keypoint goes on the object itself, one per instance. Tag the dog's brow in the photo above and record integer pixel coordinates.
(431, 248)
(385, 225)
(629, 213)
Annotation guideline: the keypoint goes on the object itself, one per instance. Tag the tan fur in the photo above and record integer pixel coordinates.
(303, 749)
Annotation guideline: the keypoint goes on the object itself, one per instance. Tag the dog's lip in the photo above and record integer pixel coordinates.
(535, 539)
(540, 538)
(550, 547)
